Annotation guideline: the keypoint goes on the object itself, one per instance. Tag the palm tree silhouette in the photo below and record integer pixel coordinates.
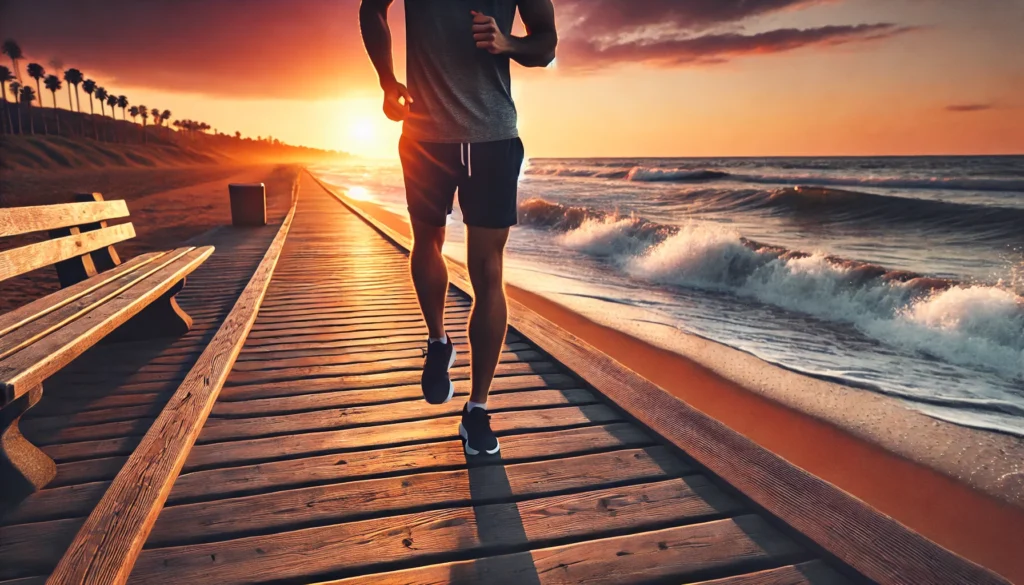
(5, 76)
(15, 88)
(101, 96)
(133, 112)
(28, 95)
(74, 77)
(53, 83)
(13, 50)
(144, 112)
(122, 102)
(112, 102)
(36, 71)
(89, 86)
(166, 115)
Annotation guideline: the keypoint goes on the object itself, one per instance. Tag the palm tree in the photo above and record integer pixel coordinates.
(5, 76)
(122, 102)
(28, 95)
(89, 86)
(13, 50)
(53, 83)
(36, 71)
(133, 112)
(112, 101)
(74, 77)
(101, 95)
(15, 88)
(144, 112)
(166, 115)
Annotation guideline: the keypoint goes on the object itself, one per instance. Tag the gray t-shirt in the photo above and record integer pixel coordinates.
(460, 93)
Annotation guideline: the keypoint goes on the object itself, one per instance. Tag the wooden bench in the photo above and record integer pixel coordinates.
(100, 298)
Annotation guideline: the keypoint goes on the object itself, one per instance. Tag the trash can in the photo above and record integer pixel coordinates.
(248, 204)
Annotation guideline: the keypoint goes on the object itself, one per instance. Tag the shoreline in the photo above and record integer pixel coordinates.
(955, 485)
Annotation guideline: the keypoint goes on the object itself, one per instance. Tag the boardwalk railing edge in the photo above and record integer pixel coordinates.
(106, 547)
(868, 541)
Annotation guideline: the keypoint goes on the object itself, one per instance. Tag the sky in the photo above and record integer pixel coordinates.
(632, 77)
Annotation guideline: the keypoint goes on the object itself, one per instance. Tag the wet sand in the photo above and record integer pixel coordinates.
(960, 487)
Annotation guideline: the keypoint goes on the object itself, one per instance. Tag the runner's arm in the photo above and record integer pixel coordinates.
(536, 49)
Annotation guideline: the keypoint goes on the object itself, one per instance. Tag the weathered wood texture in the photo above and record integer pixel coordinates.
(41, 254)
(39, 218)
(320, 460)
(97, 388)
(875, 545)
(49, 353)
(105, 548)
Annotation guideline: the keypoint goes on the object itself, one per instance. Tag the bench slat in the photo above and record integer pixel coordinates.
(28, 258)
(33, 364)
(38, 218)
(46, 305)
(24, 336)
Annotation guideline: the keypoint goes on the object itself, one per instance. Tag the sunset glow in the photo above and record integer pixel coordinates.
(786, 77)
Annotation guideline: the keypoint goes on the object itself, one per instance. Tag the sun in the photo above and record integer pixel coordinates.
(362, 131)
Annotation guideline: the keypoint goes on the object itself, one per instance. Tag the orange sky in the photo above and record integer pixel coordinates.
(718, 78)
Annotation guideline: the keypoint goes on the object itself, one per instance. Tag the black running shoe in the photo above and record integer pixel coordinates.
(437, 386)
(475, 430)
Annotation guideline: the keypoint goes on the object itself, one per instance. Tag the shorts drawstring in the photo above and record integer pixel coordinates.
(466, 156)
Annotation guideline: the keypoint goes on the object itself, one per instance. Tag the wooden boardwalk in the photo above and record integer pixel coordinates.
(321, 461)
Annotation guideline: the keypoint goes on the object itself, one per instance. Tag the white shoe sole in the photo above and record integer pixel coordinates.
(451, 385)
(470, 450)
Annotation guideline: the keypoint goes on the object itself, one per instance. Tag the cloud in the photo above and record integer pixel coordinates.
(307, 49)
(253, 48)
(969, 107)
(717, 48)
(596, 17)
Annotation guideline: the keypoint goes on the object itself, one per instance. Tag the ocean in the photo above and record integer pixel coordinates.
(898, 275)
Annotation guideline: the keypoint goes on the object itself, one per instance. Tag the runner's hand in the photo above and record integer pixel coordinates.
(487, 34)
(396, 101)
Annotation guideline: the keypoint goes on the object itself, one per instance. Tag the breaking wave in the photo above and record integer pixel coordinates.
(970, 325)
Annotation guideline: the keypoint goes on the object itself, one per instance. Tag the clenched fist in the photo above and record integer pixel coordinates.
(488, 36)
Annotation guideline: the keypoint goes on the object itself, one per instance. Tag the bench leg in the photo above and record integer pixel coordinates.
(24, 468)
(163, 318)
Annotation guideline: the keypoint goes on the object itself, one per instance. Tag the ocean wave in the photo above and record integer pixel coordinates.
(851, 207)
(970, 325)
(642, 173)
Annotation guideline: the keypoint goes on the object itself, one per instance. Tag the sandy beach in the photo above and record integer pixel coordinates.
(960, 487)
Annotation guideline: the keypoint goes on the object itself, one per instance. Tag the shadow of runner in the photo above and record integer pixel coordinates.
(499, 526)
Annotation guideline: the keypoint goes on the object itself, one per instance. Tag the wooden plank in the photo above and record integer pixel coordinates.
(41, 254)
(30, 366)
(737, 543)
(870, 542)
(282, 511)
(54, 320)
(346, 398)
(380, 366)
(105, 548)
(234, 429)
(351, 355)
(809, 573)
(70, 501)
(40, 307)
(377, 380)
(275, 448)
(40, 218)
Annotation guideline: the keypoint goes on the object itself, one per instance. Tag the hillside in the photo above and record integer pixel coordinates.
(94, 142)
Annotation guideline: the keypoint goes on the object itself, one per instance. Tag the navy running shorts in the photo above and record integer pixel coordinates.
(486, 175)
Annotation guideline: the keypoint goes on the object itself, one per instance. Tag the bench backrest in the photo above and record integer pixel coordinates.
(81, 242)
